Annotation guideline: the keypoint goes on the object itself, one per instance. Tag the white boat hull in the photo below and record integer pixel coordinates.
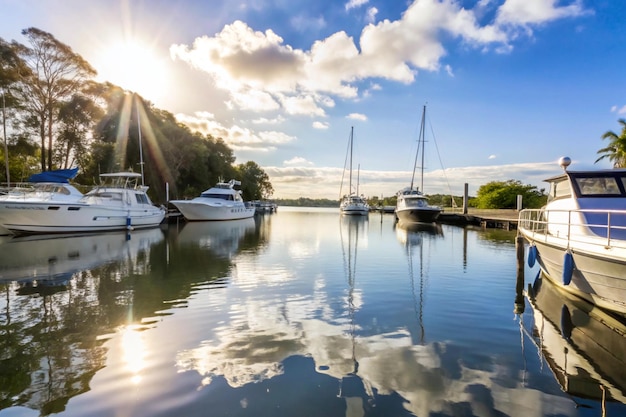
(598, 274)
(20, 218)
(418, 215)
(355, 211)
(199, 209)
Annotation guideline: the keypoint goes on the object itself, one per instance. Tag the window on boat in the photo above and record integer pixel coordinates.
(597, 186)
(142, 198)
(560, 189)
(218, 196)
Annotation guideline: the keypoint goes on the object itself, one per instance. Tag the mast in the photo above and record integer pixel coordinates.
(139, 129)
(422, 133)
(420, 141)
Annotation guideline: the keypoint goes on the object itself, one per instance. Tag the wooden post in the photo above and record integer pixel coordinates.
(519, 284)
(465, 197)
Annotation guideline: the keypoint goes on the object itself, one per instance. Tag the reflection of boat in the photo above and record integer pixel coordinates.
(352, 387)
(120, 203)
(412, 205)
(579, 237)
(582, 344)
(412, 234)
(53, 259)
(222, 238)
(353, 203)
(221, 202)
(263, 207)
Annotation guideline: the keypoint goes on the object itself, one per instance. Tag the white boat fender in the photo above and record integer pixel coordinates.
(128, 224)
(532, 255)
(568, 267)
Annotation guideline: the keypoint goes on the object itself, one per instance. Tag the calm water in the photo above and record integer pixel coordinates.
(299, 313)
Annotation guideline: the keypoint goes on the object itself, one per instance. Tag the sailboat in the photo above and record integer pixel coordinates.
(412, 205)
(353, 203)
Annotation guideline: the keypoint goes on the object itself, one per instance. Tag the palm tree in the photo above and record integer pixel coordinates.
(616, 151)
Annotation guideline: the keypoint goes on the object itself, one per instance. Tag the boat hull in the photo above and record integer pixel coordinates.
(24, 217)
(418, 215)
(197, 210)
(598, 275)
(355, 211)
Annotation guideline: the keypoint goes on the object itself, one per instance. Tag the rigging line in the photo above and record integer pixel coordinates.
(439, 156)
(343, 174)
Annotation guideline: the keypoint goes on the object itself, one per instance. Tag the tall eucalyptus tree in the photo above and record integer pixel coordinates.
(55, 74)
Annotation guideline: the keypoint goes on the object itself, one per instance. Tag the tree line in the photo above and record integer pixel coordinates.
(59, 117)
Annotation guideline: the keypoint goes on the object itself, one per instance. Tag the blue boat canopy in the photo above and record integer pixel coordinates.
(57, 175)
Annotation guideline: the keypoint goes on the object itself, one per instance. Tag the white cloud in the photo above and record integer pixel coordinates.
(371, 14)
(302, 104)
(324, 182)
(275, 121)
(492, 157)
(525, 12)
(260, 72)
(357, 116)
(618, 110)
(320, 125)
(298, 161)
(353, 4)
(237, 137)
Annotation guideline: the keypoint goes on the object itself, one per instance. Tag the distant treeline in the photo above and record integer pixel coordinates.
(435, 199)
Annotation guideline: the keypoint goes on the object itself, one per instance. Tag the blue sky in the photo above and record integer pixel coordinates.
(510, 85)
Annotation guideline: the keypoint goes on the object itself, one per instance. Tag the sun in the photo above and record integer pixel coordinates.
(134, 66)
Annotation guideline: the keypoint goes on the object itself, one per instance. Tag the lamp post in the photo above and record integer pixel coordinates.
(6, 148)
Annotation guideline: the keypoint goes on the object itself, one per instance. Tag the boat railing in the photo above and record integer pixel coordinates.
(587, 226)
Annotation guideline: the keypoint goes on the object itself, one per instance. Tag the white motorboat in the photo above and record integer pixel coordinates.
(221, 202)
(412, 205)
(46, 187)
(119, 203)
(353, 203)
(579, 237)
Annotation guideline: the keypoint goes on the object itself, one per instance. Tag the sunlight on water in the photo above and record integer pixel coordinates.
(302, 312)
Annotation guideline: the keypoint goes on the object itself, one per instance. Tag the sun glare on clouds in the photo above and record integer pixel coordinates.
(134, 66)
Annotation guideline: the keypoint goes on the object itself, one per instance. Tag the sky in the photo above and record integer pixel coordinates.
(509, 86)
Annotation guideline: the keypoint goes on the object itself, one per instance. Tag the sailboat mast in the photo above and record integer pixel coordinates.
(422, 133)
(140, 147)
(419, 144)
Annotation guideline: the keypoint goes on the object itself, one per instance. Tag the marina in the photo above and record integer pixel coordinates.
(302, 312)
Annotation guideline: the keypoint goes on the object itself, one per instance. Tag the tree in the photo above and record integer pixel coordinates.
(255, 183)
(503, 195)
(76, 119)
(616, 150)
(56, 73)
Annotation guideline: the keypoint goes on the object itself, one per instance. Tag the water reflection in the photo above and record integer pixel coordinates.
(61, 293)
(222, 238)
(582, 345)
(52, 260)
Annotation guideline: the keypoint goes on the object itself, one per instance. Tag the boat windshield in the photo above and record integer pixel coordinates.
(228, 197)
(605, 185)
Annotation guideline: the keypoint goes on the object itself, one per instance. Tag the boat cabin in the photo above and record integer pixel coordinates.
(595, 199)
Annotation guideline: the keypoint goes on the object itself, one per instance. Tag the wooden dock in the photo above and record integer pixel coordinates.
(498, 219)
